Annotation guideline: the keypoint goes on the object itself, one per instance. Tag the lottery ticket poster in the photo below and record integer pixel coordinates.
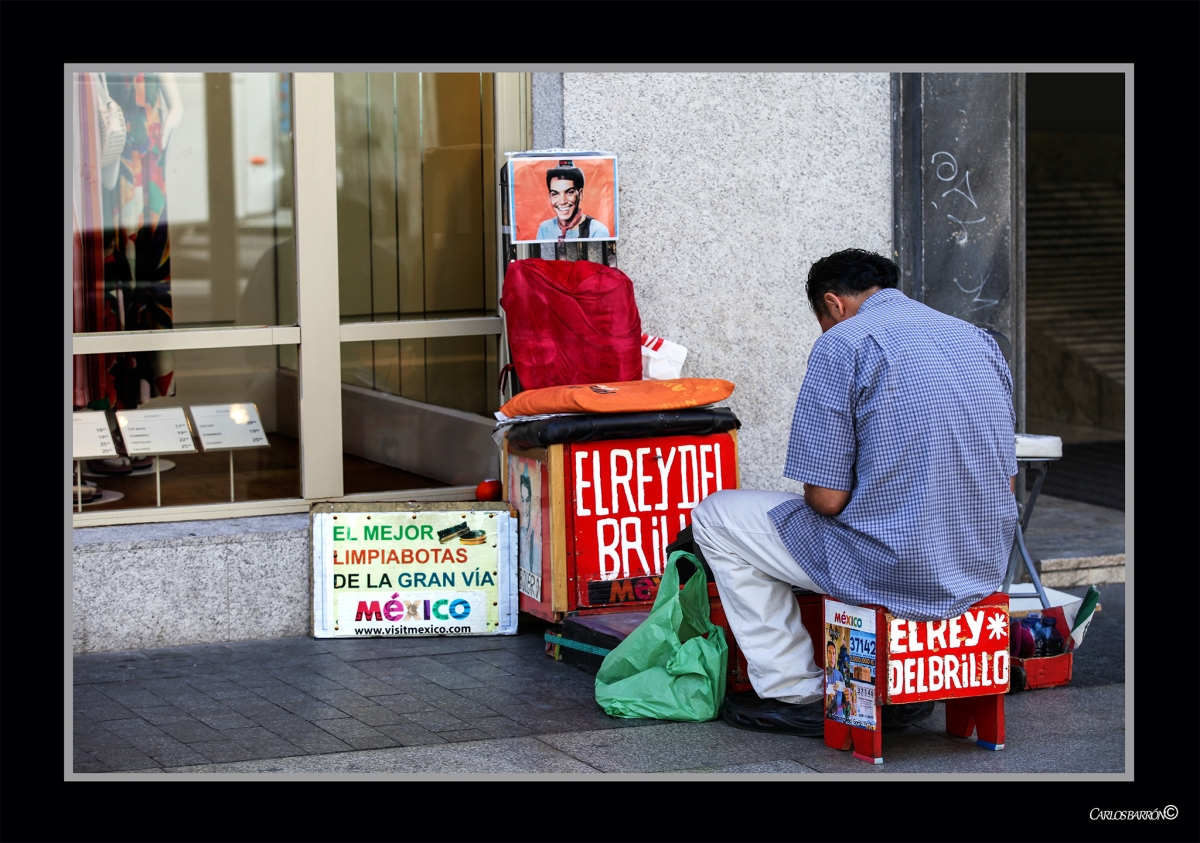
(850, 665)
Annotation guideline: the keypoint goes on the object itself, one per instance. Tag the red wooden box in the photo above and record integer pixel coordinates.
(596, 517)
(1045, 672)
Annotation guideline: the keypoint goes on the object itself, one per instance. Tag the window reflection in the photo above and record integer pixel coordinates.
(182, 215)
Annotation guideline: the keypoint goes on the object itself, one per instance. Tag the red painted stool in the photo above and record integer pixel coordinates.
(962, 660)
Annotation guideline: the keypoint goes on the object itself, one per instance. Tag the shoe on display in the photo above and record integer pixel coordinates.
(750, 711)
(113, 466)
(138, 463)
(88, 492)
(902, 716)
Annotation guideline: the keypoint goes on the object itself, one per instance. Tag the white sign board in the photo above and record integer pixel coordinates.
(164, 431)
(226, 427)
(92, 439)
(395, 569)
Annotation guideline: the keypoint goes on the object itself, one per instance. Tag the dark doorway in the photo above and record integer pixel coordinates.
(1075, 277)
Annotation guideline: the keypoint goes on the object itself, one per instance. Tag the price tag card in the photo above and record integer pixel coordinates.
(164, 431)
(92, 438)
(225, 427)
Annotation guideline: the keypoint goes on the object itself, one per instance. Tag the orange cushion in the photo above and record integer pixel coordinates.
(620, 397)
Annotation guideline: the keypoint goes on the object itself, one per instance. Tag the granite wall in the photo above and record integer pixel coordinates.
(190, 582)
(731, 185)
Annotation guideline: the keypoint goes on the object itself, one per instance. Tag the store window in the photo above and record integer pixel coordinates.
(183, 250)
(218, 218)
(416, 248)
(243, 379)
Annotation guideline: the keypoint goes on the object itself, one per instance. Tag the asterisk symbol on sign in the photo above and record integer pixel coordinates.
(996, 626)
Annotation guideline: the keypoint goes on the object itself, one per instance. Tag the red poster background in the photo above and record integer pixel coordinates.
(971, 668)
(585, 531)
(531, 199)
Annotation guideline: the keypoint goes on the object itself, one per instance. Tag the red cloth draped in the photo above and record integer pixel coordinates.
(571, 322)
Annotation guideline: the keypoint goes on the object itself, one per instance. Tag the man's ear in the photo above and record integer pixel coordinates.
(833, 306)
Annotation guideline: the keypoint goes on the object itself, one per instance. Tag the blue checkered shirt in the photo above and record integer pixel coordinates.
(909, 410)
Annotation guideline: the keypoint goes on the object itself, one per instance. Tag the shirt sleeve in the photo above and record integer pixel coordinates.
(822, 447)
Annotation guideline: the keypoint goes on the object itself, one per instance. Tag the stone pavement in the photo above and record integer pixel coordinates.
(499, 705)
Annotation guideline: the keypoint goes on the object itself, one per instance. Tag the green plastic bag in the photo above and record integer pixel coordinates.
(672, 666)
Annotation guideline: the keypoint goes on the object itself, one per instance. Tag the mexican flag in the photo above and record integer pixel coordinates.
(1083, 617)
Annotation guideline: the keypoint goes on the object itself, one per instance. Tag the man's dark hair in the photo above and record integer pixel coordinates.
(848, 273)
(565, 170)
(527, 485)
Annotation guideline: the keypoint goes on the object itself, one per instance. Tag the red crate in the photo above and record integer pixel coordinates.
(1047, 671)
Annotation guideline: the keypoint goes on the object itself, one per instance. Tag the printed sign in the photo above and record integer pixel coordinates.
(631, 590)
(965, 656)
(850, 655)
(529, 495)
(410, 572)
(568, 196)
(226, 427)
(163, 431)
(91, 438)
(631, 497)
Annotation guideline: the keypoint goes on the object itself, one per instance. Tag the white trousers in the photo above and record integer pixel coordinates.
(755, 573)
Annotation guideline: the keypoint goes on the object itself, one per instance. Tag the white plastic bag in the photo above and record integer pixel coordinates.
(662, 360)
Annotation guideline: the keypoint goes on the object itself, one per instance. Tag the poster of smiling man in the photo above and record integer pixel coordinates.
(566, 197)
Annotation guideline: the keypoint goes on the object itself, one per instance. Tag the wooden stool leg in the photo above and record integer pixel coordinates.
(989, 721)
(984, 715)
(868, 743)
(837, 735)
(960, 719)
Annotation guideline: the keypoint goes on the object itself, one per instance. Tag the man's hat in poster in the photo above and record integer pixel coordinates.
(567, 170)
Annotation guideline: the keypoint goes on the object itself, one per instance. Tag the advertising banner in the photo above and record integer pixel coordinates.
(563, 196)
(629, 499)
(850, 654)
(963, 656)
(403, 569)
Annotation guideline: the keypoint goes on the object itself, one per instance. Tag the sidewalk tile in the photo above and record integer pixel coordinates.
(358, 735)
(311, 709)
(402, 703)
(130, 695)
(374, 715)
(340, 697)
(498, 727)
(673, 746)
(224, 720)
(223, 750)
(436, 721)
(510, 755)
(262, 742)
(190, 731)
(410, 734)
(188, 758)
(124, 759)
(104, 711)
(465, 735)
(85, 762)
(93, 741)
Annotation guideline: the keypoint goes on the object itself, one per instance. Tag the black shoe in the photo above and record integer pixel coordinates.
(749, 711)
(902, 716)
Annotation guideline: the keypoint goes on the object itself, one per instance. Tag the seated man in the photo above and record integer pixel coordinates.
(903, 439)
